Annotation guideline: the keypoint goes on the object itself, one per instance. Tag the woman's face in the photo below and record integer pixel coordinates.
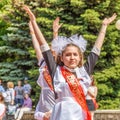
(71, 57)
(26, 96)
(19, 83)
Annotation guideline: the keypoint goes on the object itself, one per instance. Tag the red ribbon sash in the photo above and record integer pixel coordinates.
(47, 78)
(76, 90)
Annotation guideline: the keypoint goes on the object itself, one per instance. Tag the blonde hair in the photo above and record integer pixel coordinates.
(10, 84)
(59, 62)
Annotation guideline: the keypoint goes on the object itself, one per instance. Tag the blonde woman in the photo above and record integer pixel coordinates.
(9, 94)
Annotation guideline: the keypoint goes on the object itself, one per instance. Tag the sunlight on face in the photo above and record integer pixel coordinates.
(71, 57)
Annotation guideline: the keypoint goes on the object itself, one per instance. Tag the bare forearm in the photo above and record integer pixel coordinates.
(38, 33)
(55, 35)
(101, 36)
(36, 47)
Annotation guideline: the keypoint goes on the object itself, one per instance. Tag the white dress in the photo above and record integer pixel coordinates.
(2, 109)
(46, 100)
(66, 107)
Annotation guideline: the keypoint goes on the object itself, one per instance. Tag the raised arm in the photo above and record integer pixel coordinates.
(35, 43)
(37, 31)
(101, 36)
(56, 27)
(93, 56)
(48, 57)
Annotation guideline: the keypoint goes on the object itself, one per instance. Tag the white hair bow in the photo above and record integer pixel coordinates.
(60, 42)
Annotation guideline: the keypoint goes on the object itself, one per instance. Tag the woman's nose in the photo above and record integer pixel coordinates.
(72, 56)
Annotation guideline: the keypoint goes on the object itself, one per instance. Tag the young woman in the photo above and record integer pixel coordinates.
(47, 99)
(9, 94)
(72, 78)
(2, 107)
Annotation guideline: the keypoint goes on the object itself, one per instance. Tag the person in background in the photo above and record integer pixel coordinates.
(1, 87)
(91, 97)
(46, 101)
(2, 107)
(19, 91)
(9, 94)
(27, 87)
(27, 106)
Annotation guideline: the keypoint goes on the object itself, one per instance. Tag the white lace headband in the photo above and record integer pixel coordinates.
(60, 42)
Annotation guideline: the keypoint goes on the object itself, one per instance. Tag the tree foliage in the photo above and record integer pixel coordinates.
(78, 16)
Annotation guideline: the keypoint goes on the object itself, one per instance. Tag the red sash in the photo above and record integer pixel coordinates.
(47, 78)
(76, 90)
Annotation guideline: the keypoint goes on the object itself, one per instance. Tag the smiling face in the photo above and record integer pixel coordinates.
(71, 56)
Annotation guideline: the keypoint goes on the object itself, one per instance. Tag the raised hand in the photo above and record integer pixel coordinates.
(101, 36)
(56, 25)
(29, 12)
(107, 21)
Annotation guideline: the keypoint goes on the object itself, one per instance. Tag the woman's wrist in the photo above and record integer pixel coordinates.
(102, 32)
(55, 32)
(104, 25)
(32, 33)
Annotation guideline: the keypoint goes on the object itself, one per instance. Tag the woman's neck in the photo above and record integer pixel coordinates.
(71, 69)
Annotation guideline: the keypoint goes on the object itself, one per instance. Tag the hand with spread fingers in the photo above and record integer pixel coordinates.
(56, 27)
(107, 21)
(29, 12)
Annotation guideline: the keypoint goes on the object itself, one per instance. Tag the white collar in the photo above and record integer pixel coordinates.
(75, 71)
(71, 70)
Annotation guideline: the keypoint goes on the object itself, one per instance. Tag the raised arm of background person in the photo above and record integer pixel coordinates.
(42, 42)
(35, 43)
(101, 36)
(56, 27)
(37, 31)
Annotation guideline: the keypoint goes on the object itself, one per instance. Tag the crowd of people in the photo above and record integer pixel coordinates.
(15, 100)
(68, 91)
